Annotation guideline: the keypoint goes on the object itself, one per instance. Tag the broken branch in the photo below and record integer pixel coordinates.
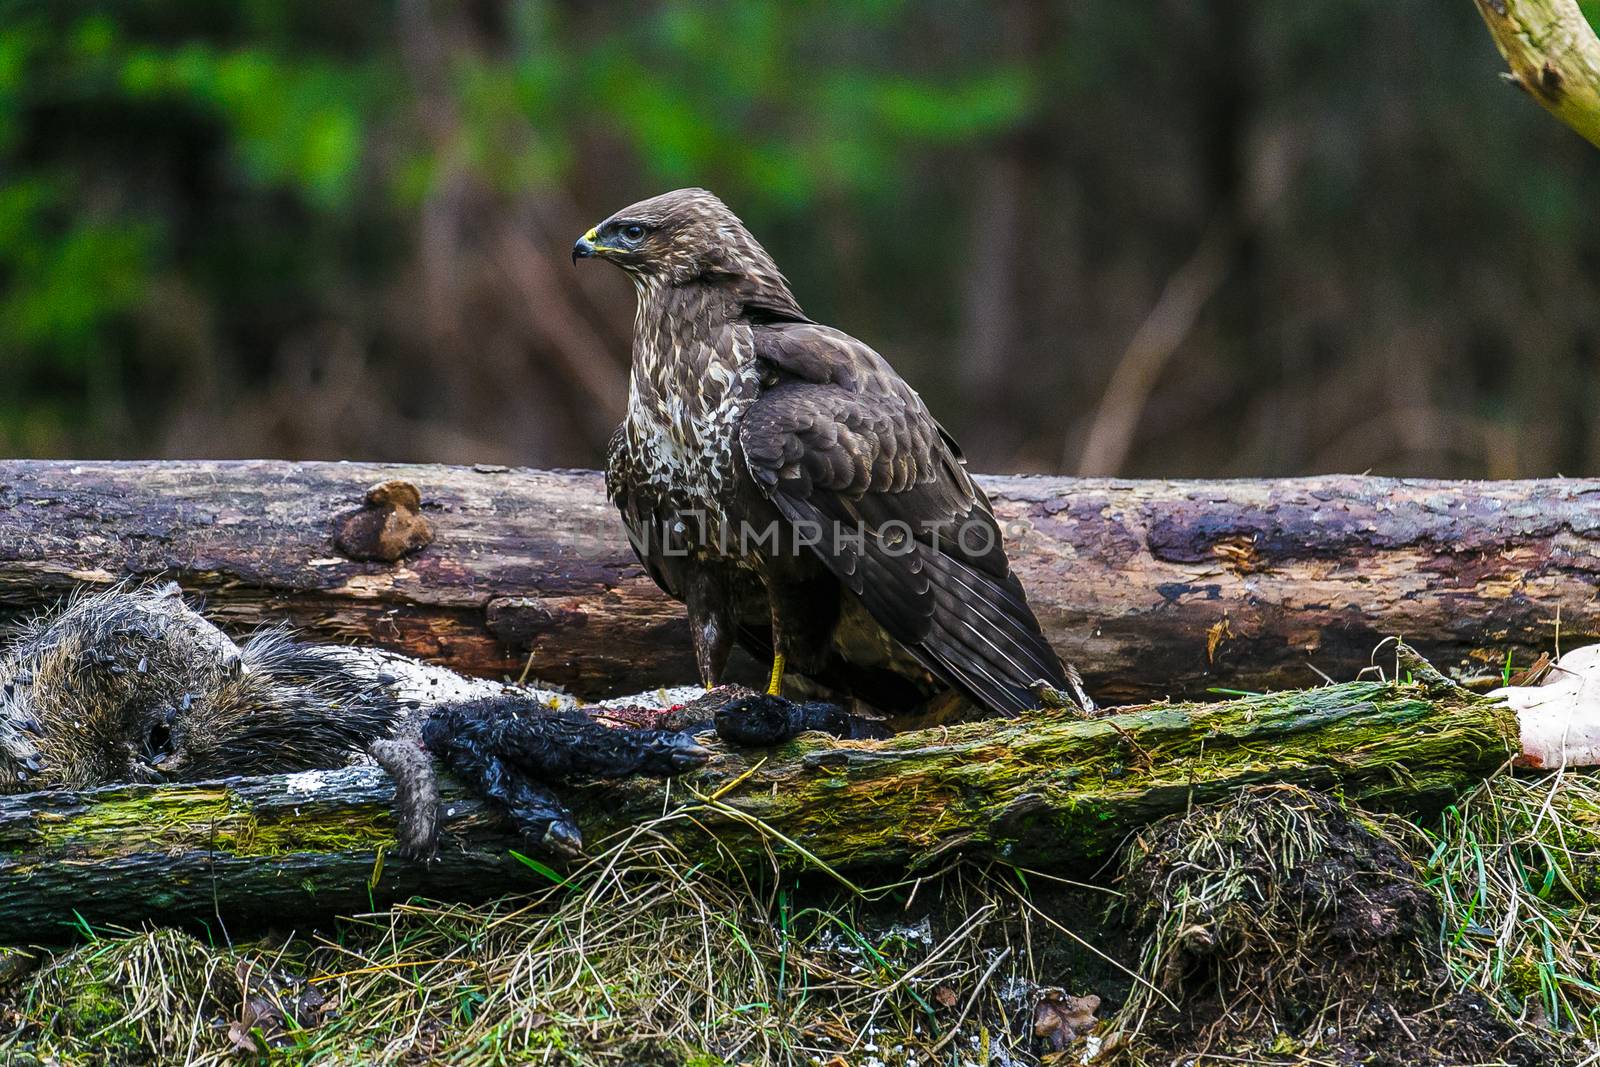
(1554, 57)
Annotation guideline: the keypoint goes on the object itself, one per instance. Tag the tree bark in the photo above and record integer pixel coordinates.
(1151, 588)
(1043, 791)
(1554, 56)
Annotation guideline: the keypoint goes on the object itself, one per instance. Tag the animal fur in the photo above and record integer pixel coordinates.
(134, 685)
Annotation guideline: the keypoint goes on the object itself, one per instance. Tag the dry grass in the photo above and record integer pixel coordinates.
(157, 991)
(637, 957)
(1278, 928)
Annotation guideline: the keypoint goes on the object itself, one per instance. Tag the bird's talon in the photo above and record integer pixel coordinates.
(563, 838)
(689, 756)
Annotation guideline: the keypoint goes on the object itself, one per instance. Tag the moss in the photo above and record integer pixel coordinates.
(1041, 790)
(550, 1038)
(347, 831)
(177, 818)
(92, 1007)
(174, 814)
(1522, 977)
(1072, 789)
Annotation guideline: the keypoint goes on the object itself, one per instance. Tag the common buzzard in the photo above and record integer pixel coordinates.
(778, 477)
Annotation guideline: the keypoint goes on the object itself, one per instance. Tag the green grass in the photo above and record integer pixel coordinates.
(1516, 865)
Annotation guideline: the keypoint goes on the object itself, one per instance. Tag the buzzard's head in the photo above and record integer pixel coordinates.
(677, 236)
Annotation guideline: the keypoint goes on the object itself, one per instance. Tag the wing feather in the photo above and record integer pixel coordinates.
(837, 439)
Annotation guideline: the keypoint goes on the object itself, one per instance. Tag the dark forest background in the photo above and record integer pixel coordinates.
(1157, 238)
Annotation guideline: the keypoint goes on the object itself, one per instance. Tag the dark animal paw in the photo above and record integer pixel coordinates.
(539, 815)
(764, 720)
(511, 751)
(555, 746)
(758, 721)
(671, 754)
(562, 837)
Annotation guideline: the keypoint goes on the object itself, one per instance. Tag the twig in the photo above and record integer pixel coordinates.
(973, 999)
(1402, 1023)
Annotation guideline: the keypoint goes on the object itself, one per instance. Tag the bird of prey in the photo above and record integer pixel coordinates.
(778, 477)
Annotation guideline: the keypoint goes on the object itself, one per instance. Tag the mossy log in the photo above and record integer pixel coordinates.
(1150, 588)
(1045, 791)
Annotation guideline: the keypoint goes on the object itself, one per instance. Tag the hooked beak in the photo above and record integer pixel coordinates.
(584, 247)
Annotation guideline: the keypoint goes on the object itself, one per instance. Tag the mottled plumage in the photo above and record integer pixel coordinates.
(783, 481)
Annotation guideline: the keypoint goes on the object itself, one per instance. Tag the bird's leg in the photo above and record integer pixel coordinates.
(711, 623)
(803, 603)
(779, 640)
(804, 613)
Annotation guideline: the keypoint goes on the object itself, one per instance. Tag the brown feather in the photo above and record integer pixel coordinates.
(742, 411)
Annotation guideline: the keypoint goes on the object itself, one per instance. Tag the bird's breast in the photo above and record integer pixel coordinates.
(689, 391)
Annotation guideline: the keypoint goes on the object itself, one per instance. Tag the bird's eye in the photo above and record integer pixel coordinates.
(633, 231)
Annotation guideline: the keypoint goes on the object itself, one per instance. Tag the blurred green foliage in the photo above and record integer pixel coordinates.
(199, 202)
(312, 104)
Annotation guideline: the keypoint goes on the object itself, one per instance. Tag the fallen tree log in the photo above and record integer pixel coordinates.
(1044, 791)
(1151, 588)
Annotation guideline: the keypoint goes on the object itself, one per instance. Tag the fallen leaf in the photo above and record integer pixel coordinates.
(1061, 1019)
(1559, 719)
(1534, 674)
(242, 1040)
